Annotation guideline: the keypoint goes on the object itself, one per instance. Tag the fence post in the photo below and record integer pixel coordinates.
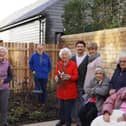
(31, 80)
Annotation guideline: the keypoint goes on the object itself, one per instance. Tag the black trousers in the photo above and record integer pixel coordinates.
(65, 110)
(87, 113)
(41, 84)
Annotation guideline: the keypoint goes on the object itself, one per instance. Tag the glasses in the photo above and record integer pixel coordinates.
(99, 73)
(122, 61)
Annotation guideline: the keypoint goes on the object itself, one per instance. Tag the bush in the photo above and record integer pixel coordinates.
(23, 109)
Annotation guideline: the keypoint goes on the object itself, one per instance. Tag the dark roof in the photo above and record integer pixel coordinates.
(36, 11)
(31, 13)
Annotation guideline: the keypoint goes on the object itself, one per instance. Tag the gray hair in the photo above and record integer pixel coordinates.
(66, 50)
(3, 50)
(100, 69)
(121, 55)
(92, 45)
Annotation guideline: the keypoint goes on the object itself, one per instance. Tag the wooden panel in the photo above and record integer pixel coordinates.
(18, 55)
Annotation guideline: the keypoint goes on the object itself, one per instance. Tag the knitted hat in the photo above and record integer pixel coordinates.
(99, 69)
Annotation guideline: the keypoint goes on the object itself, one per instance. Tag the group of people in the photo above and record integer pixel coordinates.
(85, 93)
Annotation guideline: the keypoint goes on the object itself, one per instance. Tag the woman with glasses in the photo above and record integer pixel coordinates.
(96, 93)
(118, 79)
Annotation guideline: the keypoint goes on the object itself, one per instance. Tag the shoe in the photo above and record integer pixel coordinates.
(74, 120)
(60, 123)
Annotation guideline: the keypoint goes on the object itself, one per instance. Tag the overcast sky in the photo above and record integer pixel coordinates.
(7, 7)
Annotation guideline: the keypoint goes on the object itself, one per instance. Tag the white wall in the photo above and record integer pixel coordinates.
(25, 33)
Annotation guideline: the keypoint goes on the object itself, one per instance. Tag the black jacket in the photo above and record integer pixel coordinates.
(82, 69)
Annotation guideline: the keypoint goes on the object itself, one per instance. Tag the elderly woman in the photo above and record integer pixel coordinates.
(94, 60)
(96, 93)
(118, 79)
(5, 77)
(114, 110)
(66, 76)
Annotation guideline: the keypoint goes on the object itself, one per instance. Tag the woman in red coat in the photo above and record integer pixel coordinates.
(66, 76)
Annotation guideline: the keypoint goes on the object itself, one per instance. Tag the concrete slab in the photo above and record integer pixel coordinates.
(49, 123)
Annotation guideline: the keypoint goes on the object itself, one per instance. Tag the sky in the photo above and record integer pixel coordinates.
(8, 7)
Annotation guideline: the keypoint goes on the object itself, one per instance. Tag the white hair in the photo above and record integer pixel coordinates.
(121, 55)
(99, 69)
(3, 50)
(66, 50)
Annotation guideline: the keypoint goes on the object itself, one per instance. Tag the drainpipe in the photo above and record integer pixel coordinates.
(40, 30)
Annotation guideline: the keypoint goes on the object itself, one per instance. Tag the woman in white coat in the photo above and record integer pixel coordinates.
(94, 61)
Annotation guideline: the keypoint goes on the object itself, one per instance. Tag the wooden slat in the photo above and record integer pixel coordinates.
(18, 55)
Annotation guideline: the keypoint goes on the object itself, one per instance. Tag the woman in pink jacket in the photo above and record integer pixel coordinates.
(114, 110)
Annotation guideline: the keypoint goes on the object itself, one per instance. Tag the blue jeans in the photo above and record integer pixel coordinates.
(41, 84)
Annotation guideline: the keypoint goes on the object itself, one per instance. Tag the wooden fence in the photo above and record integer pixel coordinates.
(18, 55)
(111, 42)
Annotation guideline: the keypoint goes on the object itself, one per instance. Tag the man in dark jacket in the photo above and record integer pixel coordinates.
(81, 60)
(40, 65)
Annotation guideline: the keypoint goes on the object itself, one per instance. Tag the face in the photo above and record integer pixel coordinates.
(65, 56)
(40, 49)
(92, 51)
(99, 75)
(80, 48)
(122, 63)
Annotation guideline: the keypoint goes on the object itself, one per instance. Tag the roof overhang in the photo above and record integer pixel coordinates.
(22, 22)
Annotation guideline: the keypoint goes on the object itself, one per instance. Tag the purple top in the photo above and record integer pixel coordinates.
(4, 73)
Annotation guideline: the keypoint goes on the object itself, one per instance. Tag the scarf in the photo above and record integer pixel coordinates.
(93, 57)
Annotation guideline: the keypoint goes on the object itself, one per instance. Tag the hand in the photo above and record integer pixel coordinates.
(106, 117)
(1, 82)
(112, 91)
(92, 91)
(66, 77)
(33, 72)
(56, 78)
(120, 119)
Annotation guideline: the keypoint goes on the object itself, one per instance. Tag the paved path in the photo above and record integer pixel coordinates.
(49, 123)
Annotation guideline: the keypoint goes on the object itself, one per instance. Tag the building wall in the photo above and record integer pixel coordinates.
(54, 20)
(110, 43)
(25, 33)
(30, 31)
